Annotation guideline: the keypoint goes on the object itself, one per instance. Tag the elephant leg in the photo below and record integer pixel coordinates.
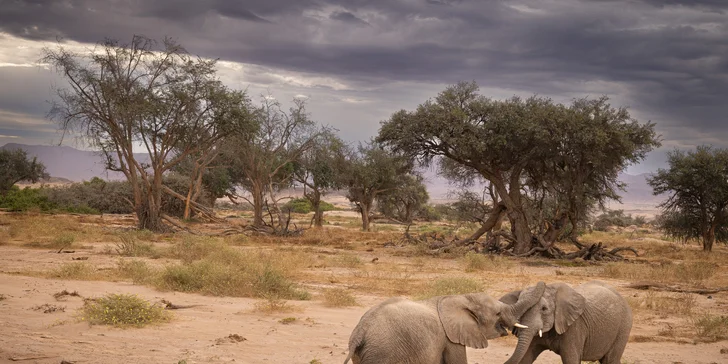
(570, 357)
(454, 354)
(614, 355)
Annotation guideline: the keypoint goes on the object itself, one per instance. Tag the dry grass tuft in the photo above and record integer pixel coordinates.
(129, 245)
(273, 305)
(452, 286)
(481, 262)
(43, 229)
(664, 304)
(192, 248)
(688, 272)
(123, 310)
(338, 297)
(76, 271)
(344, 261)
(137, 270)
(232, 272)
(710, 328)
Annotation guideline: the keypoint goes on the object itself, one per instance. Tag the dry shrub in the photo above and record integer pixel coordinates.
(232, 272)
(129, 245)
(481, 262)
(344, 261)
(136, 270)
(388, 279)
(76, 270)
(338, 297)
(123, 310)
(192, 248)
(452, 286)
(710, 328)
(44, 229)
(274, 305)
(688, 272)
(664, 304)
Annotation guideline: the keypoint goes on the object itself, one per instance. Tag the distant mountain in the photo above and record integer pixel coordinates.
(69, 163)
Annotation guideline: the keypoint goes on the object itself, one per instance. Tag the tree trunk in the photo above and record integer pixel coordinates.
(365, 216)
(149, 216)
(521, 231)
(257, 193)
(186, 215)
(709, 238)
(318, 215)
(488, 225)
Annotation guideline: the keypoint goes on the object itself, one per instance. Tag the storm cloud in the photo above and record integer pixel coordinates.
(362, 60)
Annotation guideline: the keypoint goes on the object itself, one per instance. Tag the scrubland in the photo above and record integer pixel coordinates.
(85, 288)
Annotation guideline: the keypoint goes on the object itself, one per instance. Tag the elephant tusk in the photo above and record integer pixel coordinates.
(520, 326)
(540, 333)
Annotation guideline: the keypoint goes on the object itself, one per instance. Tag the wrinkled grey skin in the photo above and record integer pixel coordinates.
(436, 330)
(589, 322)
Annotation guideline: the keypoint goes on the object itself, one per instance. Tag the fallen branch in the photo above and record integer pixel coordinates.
(171, 306)
(174, 223)
(672, 288)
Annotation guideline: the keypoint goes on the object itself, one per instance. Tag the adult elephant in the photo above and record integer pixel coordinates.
(436, 330)
(589, 322)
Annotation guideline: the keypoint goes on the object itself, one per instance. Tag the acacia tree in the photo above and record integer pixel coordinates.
(15, 166)
(572, 153)
(318, 170)
(198, 166)
(697, 184)
(372, 170)
(406, 201)
(124, 96)
(263, 163)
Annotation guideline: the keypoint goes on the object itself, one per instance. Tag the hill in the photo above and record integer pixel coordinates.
(69, 163)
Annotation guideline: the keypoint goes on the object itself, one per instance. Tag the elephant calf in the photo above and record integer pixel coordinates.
(436, 330)
(589, 322)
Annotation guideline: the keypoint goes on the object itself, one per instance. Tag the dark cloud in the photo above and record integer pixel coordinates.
(347, 17)
(667, 60)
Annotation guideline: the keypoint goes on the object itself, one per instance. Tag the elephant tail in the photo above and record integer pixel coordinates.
(355, 342)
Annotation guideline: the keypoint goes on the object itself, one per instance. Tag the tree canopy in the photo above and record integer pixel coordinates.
(528, 149)
(16, 166)
(263, 163)
(697, 186)
(319, 170)
(372, 170)
(121, 96)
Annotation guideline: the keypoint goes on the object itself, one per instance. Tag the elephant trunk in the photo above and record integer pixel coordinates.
(528, 298)
(524, 341)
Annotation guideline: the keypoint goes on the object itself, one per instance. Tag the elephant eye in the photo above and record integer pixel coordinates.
(498, 314)
(544, 308)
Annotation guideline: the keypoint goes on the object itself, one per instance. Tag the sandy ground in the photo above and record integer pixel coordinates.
(198, 334)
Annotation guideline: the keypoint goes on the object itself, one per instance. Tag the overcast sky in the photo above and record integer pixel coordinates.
(359, 61)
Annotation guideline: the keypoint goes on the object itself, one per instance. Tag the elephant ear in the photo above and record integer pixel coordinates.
(461, 322)
(569, 306)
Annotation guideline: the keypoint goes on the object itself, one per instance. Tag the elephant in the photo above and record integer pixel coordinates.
(589, 322)
(434, 330)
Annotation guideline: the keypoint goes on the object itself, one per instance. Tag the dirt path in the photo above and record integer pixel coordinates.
(199, 334)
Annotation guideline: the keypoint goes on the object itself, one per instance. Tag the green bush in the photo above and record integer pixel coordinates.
(303, 206)
(616, 218)
(27, 199)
